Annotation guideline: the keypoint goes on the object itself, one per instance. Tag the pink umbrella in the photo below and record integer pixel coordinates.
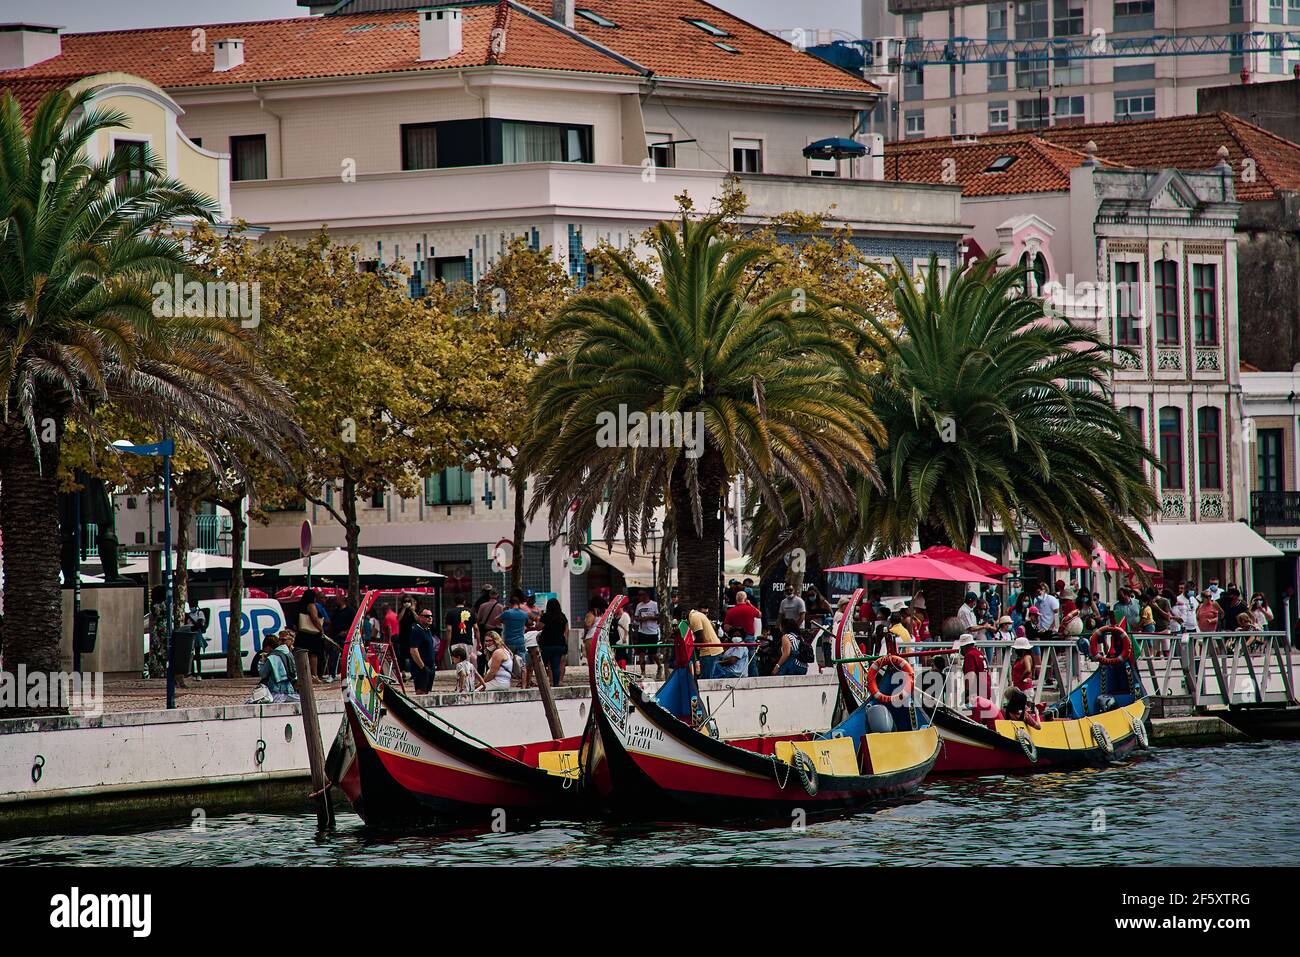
(1076, 560)
(965, 560)
(907, 567)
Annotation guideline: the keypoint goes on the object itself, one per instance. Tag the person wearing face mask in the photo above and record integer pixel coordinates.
(1006, 630)
(792, 612)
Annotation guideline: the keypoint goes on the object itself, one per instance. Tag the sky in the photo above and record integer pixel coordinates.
(80, 16)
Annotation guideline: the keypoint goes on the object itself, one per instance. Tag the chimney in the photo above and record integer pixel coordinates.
(440, 33)
(562, 12)
(227, 54)
(25, 44)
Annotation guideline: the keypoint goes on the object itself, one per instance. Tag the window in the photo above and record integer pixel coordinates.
(1166, 289)
(1067, 18)
(523, 142)
(997, 21)
(419, 146)
(1134, 16)
(1135, 105)
(1031, 20)
(1269, 461)
(1036, 273)
(1031, 113)
(999, 116)
(377, 498)
(1000, 165)
(1128, 304)
(1234, 11)
(914, 124)
(913, 83)
(746, 155)
(595, 18)
(725, 46)
(709, 28)
(1135, 71)
(1208, 448)
(998, 76)
(1134, 415)
(451, 269)
(1069, 109)
(1031, 71)
(453, 486)
(1205, 303)
(661, 149)
(132, 153)
(1171, 446)
(911, 25)
(248, 157)
(1066, 72)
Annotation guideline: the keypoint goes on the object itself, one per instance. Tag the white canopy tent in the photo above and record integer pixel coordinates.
(1193, 541)
(334, 564)
(196, 561)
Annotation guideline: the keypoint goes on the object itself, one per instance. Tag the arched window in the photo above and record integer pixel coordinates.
(1171, 447)
(1036, 277)
(1209, 447)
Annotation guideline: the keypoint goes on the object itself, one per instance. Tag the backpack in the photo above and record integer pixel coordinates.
(803, 650)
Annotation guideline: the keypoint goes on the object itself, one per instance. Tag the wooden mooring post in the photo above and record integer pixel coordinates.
(320, 785)
(544, 689)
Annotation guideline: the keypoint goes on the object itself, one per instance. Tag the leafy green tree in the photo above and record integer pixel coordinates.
(772, 381)
(79, 256)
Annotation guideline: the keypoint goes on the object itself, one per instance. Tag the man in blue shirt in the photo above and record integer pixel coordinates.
(733, 662)
(513, 621)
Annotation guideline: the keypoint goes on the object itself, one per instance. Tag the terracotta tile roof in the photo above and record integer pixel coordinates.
(1192, 143)
(651, 33)
(656, 34)
(309, 47)
(1178, 142)
(1035, 165)
(29, 91)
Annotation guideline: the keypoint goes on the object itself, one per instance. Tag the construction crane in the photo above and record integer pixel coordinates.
(893, 53)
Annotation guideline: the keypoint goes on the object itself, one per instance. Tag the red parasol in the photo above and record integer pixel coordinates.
(1076, 560)
(965, 560)
(907, 567)
(295, 592)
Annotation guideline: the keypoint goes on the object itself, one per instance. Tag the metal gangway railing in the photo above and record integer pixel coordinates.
(1061, 666)
(1220, 668)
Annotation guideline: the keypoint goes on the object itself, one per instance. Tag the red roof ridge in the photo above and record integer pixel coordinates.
(497, 35)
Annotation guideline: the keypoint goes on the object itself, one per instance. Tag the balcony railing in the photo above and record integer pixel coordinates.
(1275, 508)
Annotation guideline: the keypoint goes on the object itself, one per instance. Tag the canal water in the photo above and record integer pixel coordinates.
(1234, 804)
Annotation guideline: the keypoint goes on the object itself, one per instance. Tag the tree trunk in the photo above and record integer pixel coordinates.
(29, 518)
(234, 663)
(663, 577)
(942, 598)
(352, 539)
(699, 552)
(181, 568)
(521, 529)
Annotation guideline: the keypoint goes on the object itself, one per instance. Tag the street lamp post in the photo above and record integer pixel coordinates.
(164, 450)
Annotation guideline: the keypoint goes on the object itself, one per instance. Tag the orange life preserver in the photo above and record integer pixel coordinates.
(893, 661)
(1119, 646)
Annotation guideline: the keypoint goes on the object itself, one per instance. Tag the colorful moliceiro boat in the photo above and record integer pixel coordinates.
(654, 755)
(400, 765)
(1105, 718)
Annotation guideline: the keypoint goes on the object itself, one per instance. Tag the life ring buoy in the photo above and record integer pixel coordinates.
(1102, 738)
(1119, 645)
(1027, 745)
(1140, 732)
(807, 769)
(909, 680)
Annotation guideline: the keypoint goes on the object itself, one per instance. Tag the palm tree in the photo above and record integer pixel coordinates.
(993, 410)
(79, 254)
(774, 384)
